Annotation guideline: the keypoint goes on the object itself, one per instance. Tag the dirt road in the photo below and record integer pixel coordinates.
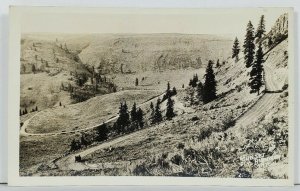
(265, 103)
(23, 131)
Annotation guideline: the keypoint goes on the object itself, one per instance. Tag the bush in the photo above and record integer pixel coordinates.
(177, 159)
(270, 128)
(141, 170)
(204, 133)
(285, 86)
(242, 173)
(180, 146)
(228, 122)
(189, 153)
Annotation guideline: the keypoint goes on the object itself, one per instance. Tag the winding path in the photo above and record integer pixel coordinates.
(23, 131)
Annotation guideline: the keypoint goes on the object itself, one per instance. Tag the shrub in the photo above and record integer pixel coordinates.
(285, 86)
(271, 128)
(180, 146)
(189, 153)
(242, 173)
(204, 133)
(141, 170)
(176, 159)
(228, 122)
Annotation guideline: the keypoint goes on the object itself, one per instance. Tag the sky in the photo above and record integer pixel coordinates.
(231, 22)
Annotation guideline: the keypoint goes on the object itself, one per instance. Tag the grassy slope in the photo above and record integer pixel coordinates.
(42, 89)
(160, 142)
(85, 114)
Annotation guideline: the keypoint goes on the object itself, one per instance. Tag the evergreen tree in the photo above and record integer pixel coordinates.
(218, 63)
(193, 81)
(75, 145)
(261, 28)
(209, 88)
(174, 91)
(133, 112)
(170, 109)
(168, 92)
(25, 111)
(152, 113)
(200, 91)
(192, 97)
(136, 81)
(256, 80)
(102, 132)
(21, 112)
(157, 113)
(140, 117)
(249, 46)
(236, 49)
(83, 141)
(60, 104)
(123, 120)
(36, 108)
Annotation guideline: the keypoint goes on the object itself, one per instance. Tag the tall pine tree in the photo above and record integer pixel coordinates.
(133, 112)
(157, 113)
(152, 110)
(140, 117)
(249, 46)
(261, 28)
(170, 109)
(209, 88)
(200, 91)
(256, 79)
(102, 132)
(236, 49)
(168, 91)
(123, 120)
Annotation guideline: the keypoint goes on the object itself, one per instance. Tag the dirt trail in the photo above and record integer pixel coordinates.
(265, 103)
(68, 162)
(24, 133)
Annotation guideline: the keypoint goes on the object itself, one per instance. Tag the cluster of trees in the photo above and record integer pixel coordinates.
(101, 134)
(83, 91)
(252, 59)
(169, 92)
(129, 121)
(24, 112)
(77, 144)
(205, 92)
(156, 114)
(194, 81)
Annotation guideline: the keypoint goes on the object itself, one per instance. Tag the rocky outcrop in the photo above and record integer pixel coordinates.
(278, 33)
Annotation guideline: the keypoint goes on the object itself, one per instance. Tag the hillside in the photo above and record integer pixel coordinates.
(153, 52)
(215, 139)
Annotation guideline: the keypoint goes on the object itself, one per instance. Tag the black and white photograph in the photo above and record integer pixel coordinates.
(204, 94)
